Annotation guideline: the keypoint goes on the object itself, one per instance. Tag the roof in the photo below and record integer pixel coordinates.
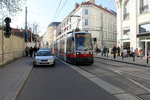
(100, 7)
(54, 24)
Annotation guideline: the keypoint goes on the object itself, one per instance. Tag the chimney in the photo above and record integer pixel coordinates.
(92, 1)
(76, 5)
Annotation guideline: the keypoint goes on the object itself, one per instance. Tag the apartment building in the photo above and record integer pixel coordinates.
(48, 37)
(97, 20)
(133, 24)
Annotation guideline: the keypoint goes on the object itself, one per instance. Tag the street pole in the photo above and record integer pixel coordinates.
(25, 37)
(102, 33)
(26, 19)
(102, 29)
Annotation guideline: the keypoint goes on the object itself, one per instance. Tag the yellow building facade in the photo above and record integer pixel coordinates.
(11, 48)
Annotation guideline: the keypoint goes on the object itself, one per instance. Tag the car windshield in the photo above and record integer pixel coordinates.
(43, 53)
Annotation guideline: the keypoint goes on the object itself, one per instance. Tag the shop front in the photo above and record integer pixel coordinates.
(145, 44)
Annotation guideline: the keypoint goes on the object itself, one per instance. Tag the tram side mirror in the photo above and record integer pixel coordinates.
(72, 39)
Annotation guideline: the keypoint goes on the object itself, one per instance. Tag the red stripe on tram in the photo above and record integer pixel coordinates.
(70, 55)
(84, 55)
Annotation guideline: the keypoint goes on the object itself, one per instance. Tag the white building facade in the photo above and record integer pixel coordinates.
(99, 21)
(133, 24)
(50, 35)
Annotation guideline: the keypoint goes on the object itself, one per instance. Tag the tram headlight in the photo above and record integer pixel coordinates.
(78, 53)
(90, 52)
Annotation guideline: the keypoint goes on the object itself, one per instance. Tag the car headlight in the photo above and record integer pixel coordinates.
(37, 60)
(51, 59)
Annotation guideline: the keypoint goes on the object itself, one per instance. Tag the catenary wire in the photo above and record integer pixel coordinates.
(62, 7)
(57, 9)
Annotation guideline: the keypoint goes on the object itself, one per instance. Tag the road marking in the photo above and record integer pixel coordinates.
(137, 76)
(116, 71)
(114, 90)
(120, 72)
(139, 84)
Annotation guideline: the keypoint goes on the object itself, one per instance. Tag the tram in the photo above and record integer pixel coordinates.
(75, 48)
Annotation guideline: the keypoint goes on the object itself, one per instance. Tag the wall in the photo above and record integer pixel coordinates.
(11, 48)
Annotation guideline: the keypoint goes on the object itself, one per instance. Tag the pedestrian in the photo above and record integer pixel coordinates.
(140, 52)
(118, 51)
(104, 51)
(31, 51)
(121, 50)
(27, 51)
(114, 51)
(35, 49)
(136, 52)
(128, 52)
(96, 51)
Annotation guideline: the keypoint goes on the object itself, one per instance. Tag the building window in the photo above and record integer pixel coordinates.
(126, 10)
(143, 6)
(86, 12)
(86, 22)
(144, 28)
(70, 19)
(126, 45)
(126, 31)
(69, 26)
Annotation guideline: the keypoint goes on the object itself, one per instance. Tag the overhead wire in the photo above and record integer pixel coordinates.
(57, 9)
(62, 7)
(110, 4)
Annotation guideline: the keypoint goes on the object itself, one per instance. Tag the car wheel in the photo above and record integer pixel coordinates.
(34, 65)
(53, 63)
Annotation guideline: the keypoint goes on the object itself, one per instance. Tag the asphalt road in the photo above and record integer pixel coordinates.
(60, 83)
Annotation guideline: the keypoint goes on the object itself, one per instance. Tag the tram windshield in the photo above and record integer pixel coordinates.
(83, 41)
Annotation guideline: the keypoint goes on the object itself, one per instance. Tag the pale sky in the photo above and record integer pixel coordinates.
(43, 12)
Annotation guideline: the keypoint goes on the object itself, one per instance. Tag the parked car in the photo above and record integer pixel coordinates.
(44, 57)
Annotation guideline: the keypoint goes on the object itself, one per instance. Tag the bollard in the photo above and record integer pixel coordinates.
(114, 55)
(147, 58)
(122, 55)
(133, 57)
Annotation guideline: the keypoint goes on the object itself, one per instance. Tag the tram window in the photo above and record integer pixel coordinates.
(83, 42)
(70, 45)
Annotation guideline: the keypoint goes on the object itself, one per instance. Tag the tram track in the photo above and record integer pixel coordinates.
(119, 71)
(134, 83)
(116, 73)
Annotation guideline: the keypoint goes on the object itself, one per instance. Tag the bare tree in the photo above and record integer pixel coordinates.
(35, 27)
(10, 6)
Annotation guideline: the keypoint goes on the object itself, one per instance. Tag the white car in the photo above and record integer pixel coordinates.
(44, 57)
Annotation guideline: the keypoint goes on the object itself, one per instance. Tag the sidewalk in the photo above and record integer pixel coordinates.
(13, 76)
(129, 60)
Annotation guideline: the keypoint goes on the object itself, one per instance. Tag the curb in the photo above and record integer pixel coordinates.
(144, 65)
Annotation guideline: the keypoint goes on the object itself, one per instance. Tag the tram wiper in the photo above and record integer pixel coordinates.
(87, 48)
